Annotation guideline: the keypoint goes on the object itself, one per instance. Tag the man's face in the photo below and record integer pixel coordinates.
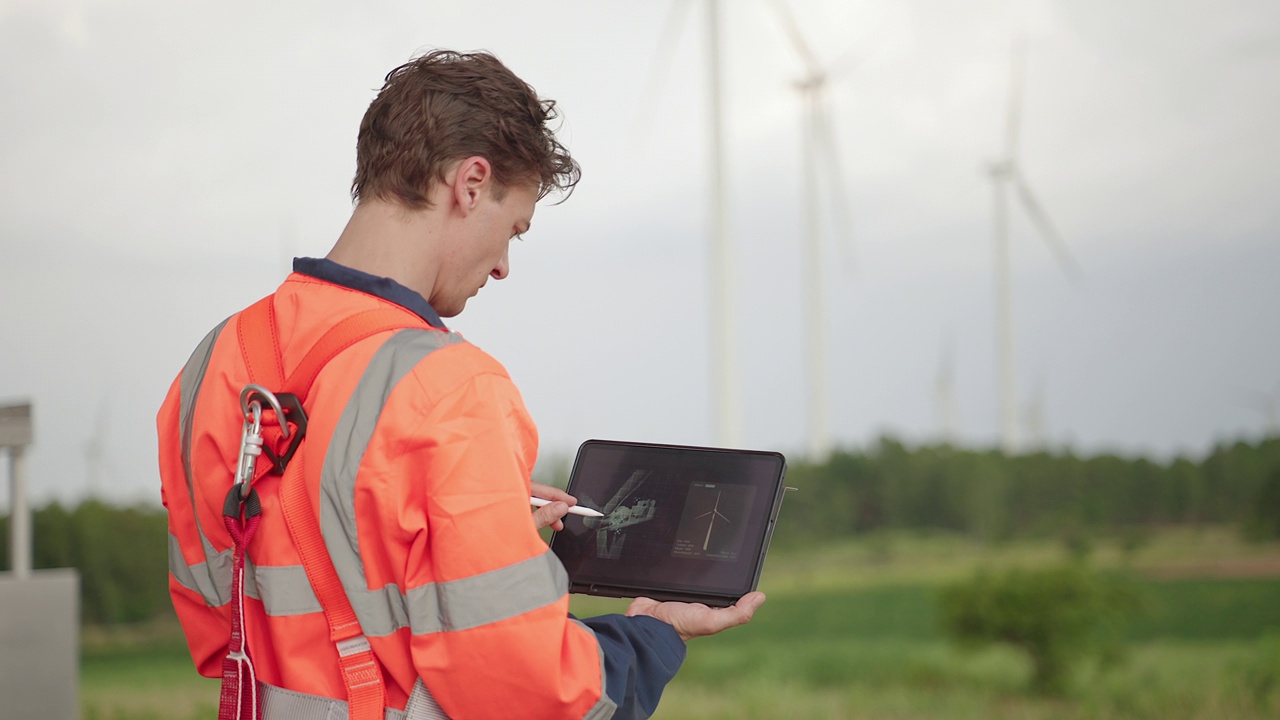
(479, 250)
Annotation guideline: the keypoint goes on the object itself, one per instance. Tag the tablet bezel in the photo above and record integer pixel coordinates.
(757, 543)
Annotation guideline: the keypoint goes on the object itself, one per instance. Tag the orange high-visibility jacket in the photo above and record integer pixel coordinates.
(418, 458)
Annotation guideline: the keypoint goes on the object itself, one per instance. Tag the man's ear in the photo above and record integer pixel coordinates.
(473, 176)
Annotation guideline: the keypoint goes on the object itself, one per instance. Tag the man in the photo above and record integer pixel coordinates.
(418, 449)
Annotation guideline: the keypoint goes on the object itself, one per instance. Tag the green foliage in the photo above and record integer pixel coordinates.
(1206, 610)
(1263, 519)
(1261, 672)
(994, 497)
(1057, 615)
(121, 553)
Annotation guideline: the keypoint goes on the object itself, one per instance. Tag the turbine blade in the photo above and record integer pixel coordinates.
(792, 29)
(827, 146)
(1017, 72)
(659, 68)
(1046, 228)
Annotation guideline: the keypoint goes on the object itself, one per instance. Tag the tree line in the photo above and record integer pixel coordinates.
(992, 496)
(121, 552)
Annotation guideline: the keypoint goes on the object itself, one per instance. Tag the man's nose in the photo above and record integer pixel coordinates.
(502, 269)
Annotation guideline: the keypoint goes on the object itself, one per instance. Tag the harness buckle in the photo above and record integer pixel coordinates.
(289, 411)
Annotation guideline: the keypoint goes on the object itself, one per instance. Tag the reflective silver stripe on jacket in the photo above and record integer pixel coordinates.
(284, 590)
(211, 578)
(434, 607)
(281, 704)
(454, 605)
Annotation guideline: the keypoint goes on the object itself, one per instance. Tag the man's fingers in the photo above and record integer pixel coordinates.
(549, 515)
(641, 606)
(552, 493)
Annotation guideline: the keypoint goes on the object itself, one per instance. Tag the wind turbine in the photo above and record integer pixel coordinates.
(1033, 418)
(1268, 404)
(96, 458)
(724, 361)
(1006, 174)
(819, 154)
(944, 395)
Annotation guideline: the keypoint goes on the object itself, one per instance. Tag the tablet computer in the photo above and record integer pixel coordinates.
(680, 523)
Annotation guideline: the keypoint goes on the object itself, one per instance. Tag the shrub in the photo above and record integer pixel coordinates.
(1057, 615)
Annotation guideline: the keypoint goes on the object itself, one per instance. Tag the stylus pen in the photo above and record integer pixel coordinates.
(573, 509)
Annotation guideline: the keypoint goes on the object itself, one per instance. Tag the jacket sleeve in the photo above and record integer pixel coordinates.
(488, 601)
(641, 655)
(192, 578)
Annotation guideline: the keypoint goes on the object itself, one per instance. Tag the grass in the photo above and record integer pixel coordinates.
(850, 631)
(906, 681)
(142, 672)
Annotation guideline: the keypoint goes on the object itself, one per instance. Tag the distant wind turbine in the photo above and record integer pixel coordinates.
(1007, 174)
(1268, 404)
(724, 362)
(1033, 418)
(819, 154)
(944, 395)
(96, 457)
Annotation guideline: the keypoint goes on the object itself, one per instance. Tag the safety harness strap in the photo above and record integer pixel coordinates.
(238, 674)
(260, 346)
(281, 704)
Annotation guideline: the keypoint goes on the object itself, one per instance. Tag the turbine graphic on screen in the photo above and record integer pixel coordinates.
(714, 512)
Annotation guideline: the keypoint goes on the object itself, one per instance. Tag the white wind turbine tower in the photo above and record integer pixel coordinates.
(1033, 418)
(96, 459)
(944, 396)
(1006, 174)
(724, 361)
(819, 154)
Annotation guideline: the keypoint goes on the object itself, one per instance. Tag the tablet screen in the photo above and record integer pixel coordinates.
(678, 521)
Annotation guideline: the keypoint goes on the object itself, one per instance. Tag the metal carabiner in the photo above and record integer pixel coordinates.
(246, 400)
(250, 447)
(251, 399)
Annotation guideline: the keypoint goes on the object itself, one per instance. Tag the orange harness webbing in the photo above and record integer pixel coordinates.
(260, 346)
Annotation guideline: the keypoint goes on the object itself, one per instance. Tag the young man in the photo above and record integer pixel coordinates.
(418, 449)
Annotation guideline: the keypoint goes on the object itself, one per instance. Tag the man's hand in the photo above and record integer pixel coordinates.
(550, 515)
(693, 620)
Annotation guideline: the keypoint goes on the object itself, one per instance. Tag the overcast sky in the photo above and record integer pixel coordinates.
(160, 161)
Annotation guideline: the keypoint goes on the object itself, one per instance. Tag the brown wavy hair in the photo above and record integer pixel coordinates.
(446, 106)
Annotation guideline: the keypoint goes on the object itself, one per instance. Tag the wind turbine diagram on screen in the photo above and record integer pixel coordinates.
(1006, 174)
(714, 512)
(819, 154)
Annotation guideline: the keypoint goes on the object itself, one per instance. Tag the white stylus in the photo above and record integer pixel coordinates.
(573, 509)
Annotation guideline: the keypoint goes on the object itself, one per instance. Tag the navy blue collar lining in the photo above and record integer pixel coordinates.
(385, 288)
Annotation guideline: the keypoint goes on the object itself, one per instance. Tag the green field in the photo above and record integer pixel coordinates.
(850, 631)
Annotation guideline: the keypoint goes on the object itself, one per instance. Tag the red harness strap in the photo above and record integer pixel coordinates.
(259, 344)
(237, 668)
